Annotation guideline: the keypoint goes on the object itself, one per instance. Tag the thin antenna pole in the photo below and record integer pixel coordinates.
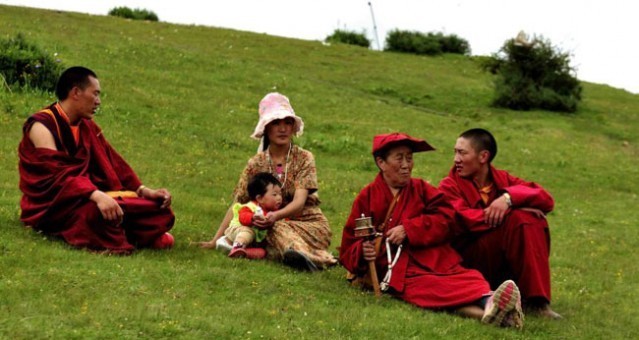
(374, 25)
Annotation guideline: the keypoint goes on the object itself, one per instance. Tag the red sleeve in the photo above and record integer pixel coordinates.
(246, 216)
(432, 226)
(106, 153)
(529, 195)
(468, 219)
(350, 251)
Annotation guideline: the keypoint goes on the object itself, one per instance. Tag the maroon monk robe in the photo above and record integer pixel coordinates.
(56, 186)
(428, 273)
(519, 248)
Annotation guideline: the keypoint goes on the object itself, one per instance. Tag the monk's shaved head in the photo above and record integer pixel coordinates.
(481, 140)
(76, 76)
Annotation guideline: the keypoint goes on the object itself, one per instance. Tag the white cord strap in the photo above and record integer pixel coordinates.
(391, 263)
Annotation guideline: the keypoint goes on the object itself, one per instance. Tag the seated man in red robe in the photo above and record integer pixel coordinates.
(501, 221)
(77, 187)
(413, 254)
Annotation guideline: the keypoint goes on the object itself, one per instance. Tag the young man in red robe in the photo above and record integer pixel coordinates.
(77, 187)
(501, 221)
(416, 260)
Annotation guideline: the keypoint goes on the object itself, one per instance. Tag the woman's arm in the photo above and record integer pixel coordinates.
(290, 210)
(224, 224)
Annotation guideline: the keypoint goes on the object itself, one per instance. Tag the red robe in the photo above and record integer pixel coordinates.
(56, 186)
(428, 272)
(519, 248)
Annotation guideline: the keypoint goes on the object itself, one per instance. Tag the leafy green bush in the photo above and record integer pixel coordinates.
(135, 14)
(454, 44)
(533, 75)
(411, 42)
(429, 44)
(23, 64)
(348, 37)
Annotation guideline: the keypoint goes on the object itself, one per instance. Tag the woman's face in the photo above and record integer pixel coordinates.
(279, 131)
(397, 167)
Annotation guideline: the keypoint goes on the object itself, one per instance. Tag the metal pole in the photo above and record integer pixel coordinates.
(374, 25)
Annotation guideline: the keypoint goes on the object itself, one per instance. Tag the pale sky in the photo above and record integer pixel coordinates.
(600, 35)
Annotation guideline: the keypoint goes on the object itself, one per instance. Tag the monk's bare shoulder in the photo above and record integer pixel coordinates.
(41, 136)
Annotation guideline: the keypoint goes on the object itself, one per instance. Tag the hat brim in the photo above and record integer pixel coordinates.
(386, 142)
(298, 128)
(416, 145)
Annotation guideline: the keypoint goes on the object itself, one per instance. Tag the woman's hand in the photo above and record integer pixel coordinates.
(264, 222)
(368, 251)
(396, 235)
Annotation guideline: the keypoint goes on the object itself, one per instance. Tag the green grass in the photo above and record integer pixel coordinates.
(179, 102)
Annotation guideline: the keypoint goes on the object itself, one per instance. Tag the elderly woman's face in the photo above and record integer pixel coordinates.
(279, 131)
(397, 167)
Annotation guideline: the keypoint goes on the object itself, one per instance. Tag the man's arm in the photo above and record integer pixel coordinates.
(468, 218)
(41, 137)
(529, 195)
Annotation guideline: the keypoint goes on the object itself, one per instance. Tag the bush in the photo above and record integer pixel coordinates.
(346, 37)
(23, 64)
(135, 14)
(533, 75)
(454, 44)
(425, 44)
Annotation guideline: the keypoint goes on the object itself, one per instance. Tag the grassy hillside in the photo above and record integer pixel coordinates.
(179, 102)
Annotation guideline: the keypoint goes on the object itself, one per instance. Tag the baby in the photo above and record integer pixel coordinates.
(265, 193)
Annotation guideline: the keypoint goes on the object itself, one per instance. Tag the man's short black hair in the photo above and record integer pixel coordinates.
(76, 76)
(259, 182)
(482, 140)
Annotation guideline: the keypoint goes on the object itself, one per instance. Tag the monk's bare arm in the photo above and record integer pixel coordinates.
(41, 137)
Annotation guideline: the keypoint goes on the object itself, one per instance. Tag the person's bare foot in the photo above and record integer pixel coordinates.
(544, 311)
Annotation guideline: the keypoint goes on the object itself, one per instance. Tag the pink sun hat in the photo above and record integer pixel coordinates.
(276, 106)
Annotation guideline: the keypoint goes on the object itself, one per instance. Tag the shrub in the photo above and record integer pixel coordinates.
(454, 44)
(426, 44)
(411, 42)
(134, 14)
(23, 64)
(347, 37)
(533, 75)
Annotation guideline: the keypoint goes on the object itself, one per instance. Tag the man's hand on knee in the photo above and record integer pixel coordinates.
(495, 213)
(109, 208)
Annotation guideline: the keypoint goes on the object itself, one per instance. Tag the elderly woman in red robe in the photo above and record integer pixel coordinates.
(77, 187)
(414, 257)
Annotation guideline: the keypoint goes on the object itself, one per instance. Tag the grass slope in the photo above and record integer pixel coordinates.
(179, 102)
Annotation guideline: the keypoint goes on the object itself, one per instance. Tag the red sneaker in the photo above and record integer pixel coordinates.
(165, 241)
(255, 253)
(237, 252)
(249, 253)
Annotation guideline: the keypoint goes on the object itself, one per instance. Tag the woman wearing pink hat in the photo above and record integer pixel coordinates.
(298, 233)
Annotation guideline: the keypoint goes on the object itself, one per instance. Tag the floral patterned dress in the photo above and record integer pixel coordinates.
(308, 232)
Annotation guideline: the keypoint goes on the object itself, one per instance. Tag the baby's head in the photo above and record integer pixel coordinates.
(266, 190)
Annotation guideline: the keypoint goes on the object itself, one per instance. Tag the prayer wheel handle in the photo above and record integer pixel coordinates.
(364, 229)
